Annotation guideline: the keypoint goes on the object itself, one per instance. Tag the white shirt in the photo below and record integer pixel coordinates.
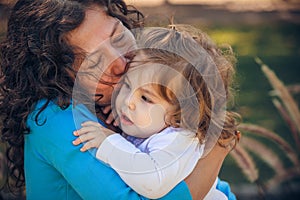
(158, 164)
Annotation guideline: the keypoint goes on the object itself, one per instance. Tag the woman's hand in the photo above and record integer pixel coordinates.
(206, 171)
(91, 134)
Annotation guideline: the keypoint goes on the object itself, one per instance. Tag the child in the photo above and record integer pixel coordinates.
(171, 109)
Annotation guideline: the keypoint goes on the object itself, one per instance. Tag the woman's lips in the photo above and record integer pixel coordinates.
(125, 120)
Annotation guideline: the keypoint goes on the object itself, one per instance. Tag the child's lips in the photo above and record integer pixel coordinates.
(125, 120)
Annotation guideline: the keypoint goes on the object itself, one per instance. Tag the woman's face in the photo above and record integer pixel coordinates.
(105, 41)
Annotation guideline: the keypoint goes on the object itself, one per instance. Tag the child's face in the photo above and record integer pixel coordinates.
(140, 108)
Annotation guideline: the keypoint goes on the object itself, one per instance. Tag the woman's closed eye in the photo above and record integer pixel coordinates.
(118, 40)
(123, 42)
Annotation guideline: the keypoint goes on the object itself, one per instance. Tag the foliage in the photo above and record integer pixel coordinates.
(251, 140)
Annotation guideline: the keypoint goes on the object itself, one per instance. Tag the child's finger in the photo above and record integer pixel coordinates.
(88, 145)
(85, 138)
(77, 141)
(110, 118)
(90, 123)
(117, 122)
(106, 109)
(88, 136)
(84, 130)
(83, 149)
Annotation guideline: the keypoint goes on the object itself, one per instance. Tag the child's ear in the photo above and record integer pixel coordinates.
(171, 119)
(168, 119)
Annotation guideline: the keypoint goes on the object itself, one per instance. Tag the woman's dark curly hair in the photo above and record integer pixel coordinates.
(36, 61)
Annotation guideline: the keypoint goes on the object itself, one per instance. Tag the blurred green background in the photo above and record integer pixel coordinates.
(268, 31)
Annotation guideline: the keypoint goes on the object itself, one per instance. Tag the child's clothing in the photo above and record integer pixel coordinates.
(158, 163)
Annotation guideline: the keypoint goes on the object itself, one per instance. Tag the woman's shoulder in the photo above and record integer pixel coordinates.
(48, 113)
(46, 110)
(52, 124)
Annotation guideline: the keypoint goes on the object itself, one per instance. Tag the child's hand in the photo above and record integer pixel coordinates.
(92, 133)
(110, 119)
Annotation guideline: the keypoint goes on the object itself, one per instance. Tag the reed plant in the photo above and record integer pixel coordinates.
(254, 136)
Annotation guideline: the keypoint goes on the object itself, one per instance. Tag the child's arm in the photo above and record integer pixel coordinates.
(170, 158)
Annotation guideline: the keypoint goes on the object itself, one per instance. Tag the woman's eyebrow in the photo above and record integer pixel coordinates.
(115, 27)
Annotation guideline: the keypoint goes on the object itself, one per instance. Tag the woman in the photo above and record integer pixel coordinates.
(46, 45)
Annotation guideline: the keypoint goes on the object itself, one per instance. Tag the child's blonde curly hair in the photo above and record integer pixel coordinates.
(174, 47)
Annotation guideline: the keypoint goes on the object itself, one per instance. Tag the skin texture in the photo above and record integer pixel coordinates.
(210, 166)
(141, 109)
(93, 37)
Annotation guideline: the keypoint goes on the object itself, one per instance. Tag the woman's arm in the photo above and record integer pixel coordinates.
(210, 165)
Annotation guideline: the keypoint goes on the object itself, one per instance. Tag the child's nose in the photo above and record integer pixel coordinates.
(130, 102)
(131, 106)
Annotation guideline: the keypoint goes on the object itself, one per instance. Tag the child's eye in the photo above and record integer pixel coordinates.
(146, 99)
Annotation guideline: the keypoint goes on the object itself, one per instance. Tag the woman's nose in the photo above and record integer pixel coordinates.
(118, 66)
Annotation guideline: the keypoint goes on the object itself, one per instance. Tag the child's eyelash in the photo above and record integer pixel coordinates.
(146, 99)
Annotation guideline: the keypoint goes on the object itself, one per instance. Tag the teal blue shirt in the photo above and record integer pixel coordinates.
(56, 169)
